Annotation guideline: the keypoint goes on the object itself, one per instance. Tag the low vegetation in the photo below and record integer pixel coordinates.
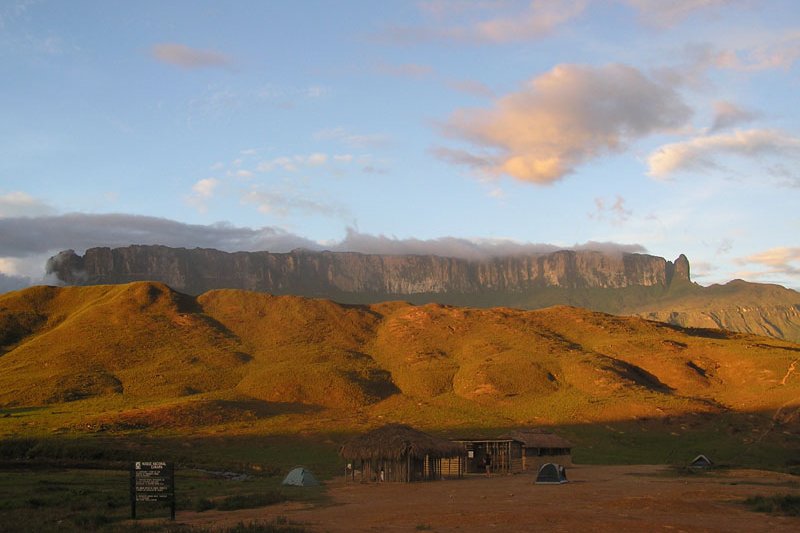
(49, 498)
(784, 504)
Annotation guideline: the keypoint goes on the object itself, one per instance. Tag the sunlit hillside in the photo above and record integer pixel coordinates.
(141, 356)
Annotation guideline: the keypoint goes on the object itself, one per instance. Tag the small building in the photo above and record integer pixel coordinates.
(504, 455)
(397, 452)
(540, 447)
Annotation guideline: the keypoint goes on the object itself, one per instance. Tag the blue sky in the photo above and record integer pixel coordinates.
(440, 126)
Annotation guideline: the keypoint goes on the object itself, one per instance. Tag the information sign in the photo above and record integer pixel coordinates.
(152, 481)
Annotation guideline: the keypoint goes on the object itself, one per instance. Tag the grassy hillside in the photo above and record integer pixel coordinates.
(757, 308)
(143, 359)
(739, 306)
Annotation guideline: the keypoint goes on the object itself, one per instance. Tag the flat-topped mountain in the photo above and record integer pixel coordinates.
(363, 276)
(623, 284)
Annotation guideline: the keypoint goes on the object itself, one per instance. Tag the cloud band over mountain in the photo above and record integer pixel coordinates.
(27, 241)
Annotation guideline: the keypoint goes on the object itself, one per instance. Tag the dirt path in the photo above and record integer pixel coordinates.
(597, 499)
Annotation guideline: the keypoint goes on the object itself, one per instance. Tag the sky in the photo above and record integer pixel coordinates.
(466, 129)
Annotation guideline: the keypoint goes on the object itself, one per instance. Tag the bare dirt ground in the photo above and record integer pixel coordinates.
(598, 499)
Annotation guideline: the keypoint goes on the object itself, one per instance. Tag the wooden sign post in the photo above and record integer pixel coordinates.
(152, 481)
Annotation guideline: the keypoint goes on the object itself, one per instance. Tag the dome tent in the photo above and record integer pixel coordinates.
(701, 461)
(300, 477)
(551, 474)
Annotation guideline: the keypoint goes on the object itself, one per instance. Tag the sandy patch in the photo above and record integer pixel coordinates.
(598, 499)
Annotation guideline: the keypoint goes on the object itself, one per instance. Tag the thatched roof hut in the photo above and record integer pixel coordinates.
(397, 452)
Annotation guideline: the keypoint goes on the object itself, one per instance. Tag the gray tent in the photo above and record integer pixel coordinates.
(300, 477)
(551, 474)
(701, 461)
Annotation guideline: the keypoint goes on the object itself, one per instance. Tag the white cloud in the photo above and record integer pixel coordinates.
(703, 153)
(285, 163)
(18, 203)
(202, 192)
(564, 118)
(348, 138)
(316, 160)
(316, 91)
(183, 56)
(205, 187)
(294, 163)
(473, 249)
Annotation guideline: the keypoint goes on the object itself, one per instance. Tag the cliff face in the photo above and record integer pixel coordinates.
(623, 284)
(330, 274)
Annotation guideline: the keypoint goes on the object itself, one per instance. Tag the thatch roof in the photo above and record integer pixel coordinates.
(395, 441)
(537, 438)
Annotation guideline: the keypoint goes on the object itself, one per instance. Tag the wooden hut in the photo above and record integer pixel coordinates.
(504, 455)
(541, 447)
(397, 452)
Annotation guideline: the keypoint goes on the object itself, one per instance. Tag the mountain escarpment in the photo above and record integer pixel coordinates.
(623, 283)
(337, 274)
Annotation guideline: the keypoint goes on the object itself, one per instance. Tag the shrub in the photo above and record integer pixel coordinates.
(203, 504)
(248, 501)
(785, 504)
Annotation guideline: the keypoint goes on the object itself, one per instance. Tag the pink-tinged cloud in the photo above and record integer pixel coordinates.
(780, 261)
(703, 153)
(669, 12)
(19, 203)
(283, 203)
(541, 18)
(616, 212)
(775, 51)
(406, 70)
(728, 114)
(183, 56)
(472, 87)
(564, 118)
(488, 22)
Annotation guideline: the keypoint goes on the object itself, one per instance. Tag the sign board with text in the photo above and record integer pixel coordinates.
(152, 481)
